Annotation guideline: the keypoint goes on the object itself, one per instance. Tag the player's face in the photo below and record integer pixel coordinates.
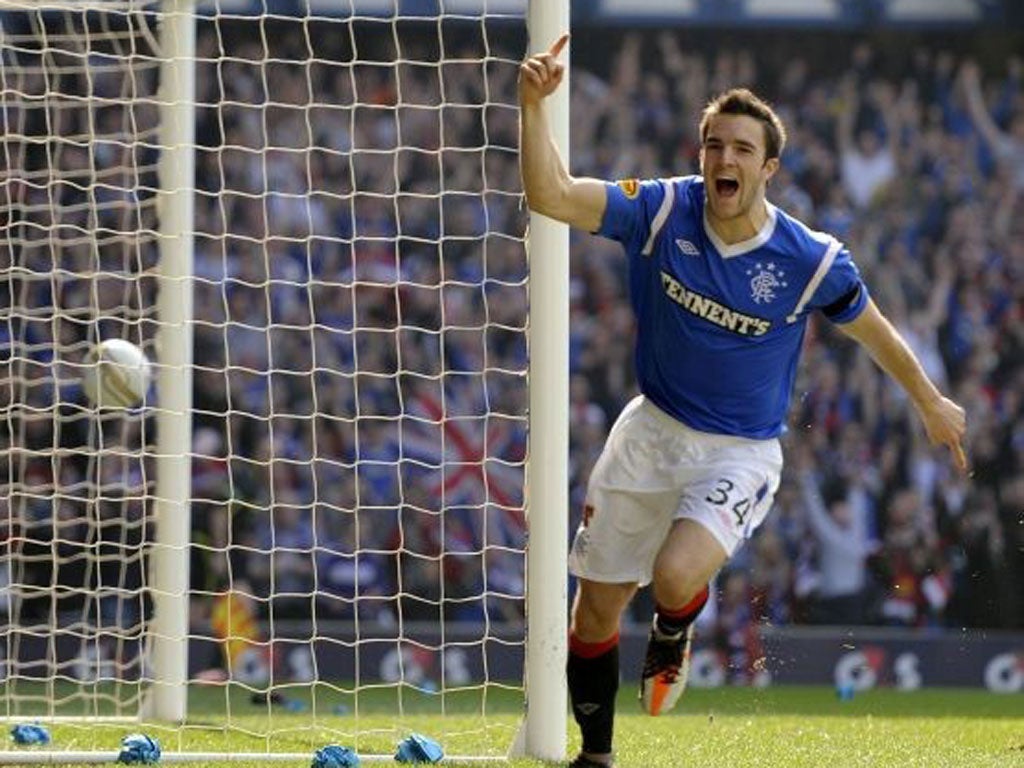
(732, 161)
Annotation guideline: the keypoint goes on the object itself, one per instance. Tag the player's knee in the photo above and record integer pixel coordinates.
(676, 584)
(592, 628)
(595, 617)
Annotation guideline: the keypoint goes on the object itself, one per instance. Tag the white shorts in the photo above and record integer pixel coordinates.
(654, 470)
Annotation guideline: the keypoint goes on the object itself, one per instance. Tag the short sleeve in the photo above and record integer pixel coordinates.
(842, 294)
(631, 207)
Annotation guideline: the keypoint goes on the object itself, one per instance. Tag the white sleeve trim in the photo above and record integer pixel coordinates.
(661, 216)
(819, 275)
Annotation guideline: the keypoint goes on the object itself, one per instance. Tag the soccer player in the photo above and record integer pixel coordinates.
(722, 284)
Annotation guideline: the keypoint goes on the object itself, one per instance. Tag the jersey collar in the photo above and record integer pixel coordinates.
(745, 246)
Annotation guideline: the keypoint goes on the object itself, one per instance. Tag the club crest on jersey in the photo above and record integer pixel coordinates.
(765, 280)
(630, 187)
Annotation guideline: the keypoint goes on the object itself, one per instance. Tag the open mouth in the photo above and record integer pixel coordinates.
(726, 187)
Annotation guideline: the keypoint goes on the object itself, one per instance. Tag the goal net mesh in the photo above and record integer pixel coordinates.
(359, 384)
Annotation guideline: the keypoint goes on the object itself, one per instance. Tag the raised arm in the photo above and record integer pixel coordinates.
(849, 103)
(825, 527)
(944, 420)
(549, 188)
(888, 102)
(970, 75)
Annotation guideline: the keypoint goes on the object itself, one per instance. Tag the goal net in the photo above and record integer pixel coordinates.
(357, 437)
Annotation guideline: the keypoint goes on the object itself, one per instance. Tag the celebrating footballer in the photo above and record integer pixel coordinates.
(722, 284)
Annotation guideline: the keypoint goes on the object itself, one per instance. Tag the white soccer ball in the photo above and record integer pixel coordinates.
(118, 374)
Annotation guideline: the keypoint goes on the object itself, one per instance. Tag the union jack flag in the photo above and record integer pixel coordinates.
(469, 461)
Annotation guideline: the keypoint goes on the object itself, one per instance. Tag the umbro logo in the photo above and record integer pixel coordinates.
(687, 247)
(587, 708)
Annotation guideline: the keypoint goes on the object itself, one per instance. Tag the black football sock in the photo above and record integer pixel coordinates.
(672, 622)
(593, 675)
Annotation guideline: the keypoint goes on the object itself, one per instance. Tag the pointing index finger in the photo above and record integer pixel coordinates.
(559, 44)
(961, 458)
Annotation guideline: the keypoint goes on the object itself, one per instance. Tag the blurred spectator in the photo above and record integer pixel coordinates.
(867, 160)
(1006, 145)
(915, 583)
(977, 588)
(838, 516)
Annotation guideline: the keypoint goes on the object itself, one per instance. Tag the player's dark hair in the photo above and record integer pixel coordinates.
(740, 101)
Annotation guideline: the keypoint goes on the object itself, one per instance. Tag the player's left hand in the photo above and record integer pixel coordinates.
(946, 424)
(541, 73)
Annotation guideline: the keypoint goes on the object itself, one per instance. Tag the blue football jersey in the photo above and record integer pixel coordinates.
(719, 327)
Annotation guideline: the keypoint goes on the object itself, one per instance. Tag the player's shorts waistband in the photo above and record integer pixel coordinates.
(711, 439)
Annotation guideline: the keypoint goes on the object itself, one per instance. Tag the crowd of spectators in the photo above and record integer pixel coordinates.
(360, 337)
(916, 162)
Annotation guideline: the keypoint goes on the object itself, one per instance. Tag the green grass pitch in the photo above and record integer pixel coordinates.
(787, 727)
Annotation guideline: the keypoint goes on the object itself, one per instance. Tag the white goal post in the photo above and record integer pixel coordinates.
(315, 528)
(547, 638)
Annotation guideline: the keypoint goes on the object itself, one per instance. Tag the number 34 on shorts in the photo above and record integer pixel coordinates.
(736, 502)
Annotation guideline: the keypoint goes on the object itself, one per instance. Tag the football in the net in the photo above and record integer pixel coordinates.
(117, 374)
